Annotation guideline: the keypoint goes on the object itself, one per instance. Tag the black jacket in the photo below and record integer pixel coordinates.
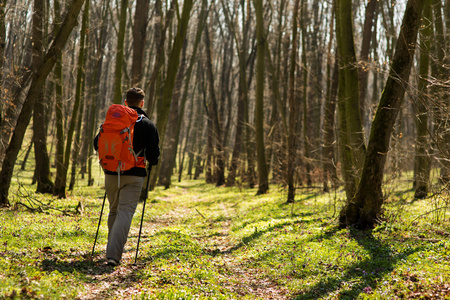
(145, 137)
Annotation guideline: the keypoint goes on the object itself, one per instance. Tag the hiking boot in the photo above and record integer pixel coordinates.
(112, 262)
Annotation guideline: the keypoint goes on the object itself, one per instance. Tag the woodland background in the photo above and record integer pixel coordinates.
(323, 94)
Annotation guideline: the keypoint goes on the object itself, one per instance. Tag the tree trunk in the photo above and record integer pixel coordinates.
(213, 107)
(197, 133)
(59, 109)
(2, 53)
(249, 146)
(446, 99)
(249, 141)
(441, 93)
(263, 174)
(365, 208)
(199, 167)
(199, 120)
(14, 105)
(95, 92)
(328, 155)
(77, 141)
(422, 159)
(280, 133)
(186, 143)
(173, 131)
(172, 69)
(27, 154)
(209, 163)
(351, 135)
(307, 109)
(139, 38)
(156, 80)
(79, 93)
(329, 159)
(242, 47)
(293, 111)
(42, 170)
(118, 97)
(169, 158)
(160, 38)
(37, 82)
(226, 94)
(88, 116)
(363, 70)
(316, 52)
(61, 189)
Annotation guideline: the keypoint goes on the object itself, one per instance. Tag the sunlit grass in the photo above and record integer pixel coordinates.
(200, 241)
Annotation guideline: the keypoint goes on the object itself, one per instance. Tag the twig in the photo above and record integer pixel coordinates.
(200, 213)
(427, 213)
(308, 187)
(29, 207)
(41, 207)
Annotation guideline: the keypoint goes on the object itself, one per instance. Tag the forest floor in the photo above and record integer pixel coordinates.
(239, 280)
(205, 242)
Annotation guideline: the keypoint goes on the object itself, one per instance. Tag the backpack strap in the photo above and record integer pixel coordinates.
(140, 118)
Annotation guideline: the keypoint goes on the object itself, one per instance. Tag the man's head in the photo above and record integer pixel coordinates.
(135, 97)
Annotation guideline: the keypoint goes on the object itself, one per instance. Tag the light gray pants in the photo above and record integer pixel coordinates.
(123, 200)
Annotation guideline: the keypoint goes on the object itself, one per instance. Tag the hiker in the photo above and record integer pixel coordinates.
(123, 188)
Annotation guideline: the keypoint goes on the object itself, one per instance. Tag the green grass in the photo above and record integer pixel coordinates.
(205, 242)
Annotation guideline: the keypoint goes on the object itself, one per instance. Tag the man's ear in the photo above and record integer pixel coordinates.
(125, 102)
(142, 104)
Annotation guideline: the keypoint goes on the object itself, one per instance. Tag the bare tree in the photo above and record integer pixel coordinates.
(263, 173)
(118, 97)
(442, 96)
(169, 157)
(363, 70)
(172, 70)
(2, 52)
(172, 136)
(214, 112)
(351, 137)
(364, 208)
(19, 52)
(242, 101)
(79, 93)
(422, 158)
(332, 77)
(293, 110)
(95, 92)
(37, 82)
(42, 171)
(139, 38)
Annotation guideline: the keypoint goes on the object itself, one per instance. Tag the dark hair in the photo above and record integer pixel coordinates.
(134, 96)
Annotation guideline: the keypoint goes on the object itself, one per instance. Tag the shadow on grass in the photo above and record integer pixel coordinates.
(275, 215)
(169, 245)
(381, 262)
(78, 265)
(399, 194)
(100, 280)
(257, 233)
(302, 199)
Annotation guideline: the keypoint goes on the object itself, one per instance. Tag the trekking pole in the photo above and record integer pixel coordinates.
(143, 210)
(98, 227)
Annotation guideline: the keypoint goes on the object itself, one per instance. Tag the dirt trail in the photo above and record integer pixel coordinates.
(250, 281)
(121, 282)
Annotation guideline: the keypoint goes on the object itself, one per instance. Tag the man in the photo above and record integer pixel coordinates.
(123, 195)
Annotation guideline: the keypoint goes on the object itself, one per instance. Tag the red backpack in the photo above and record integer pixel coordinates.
(115, 141)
